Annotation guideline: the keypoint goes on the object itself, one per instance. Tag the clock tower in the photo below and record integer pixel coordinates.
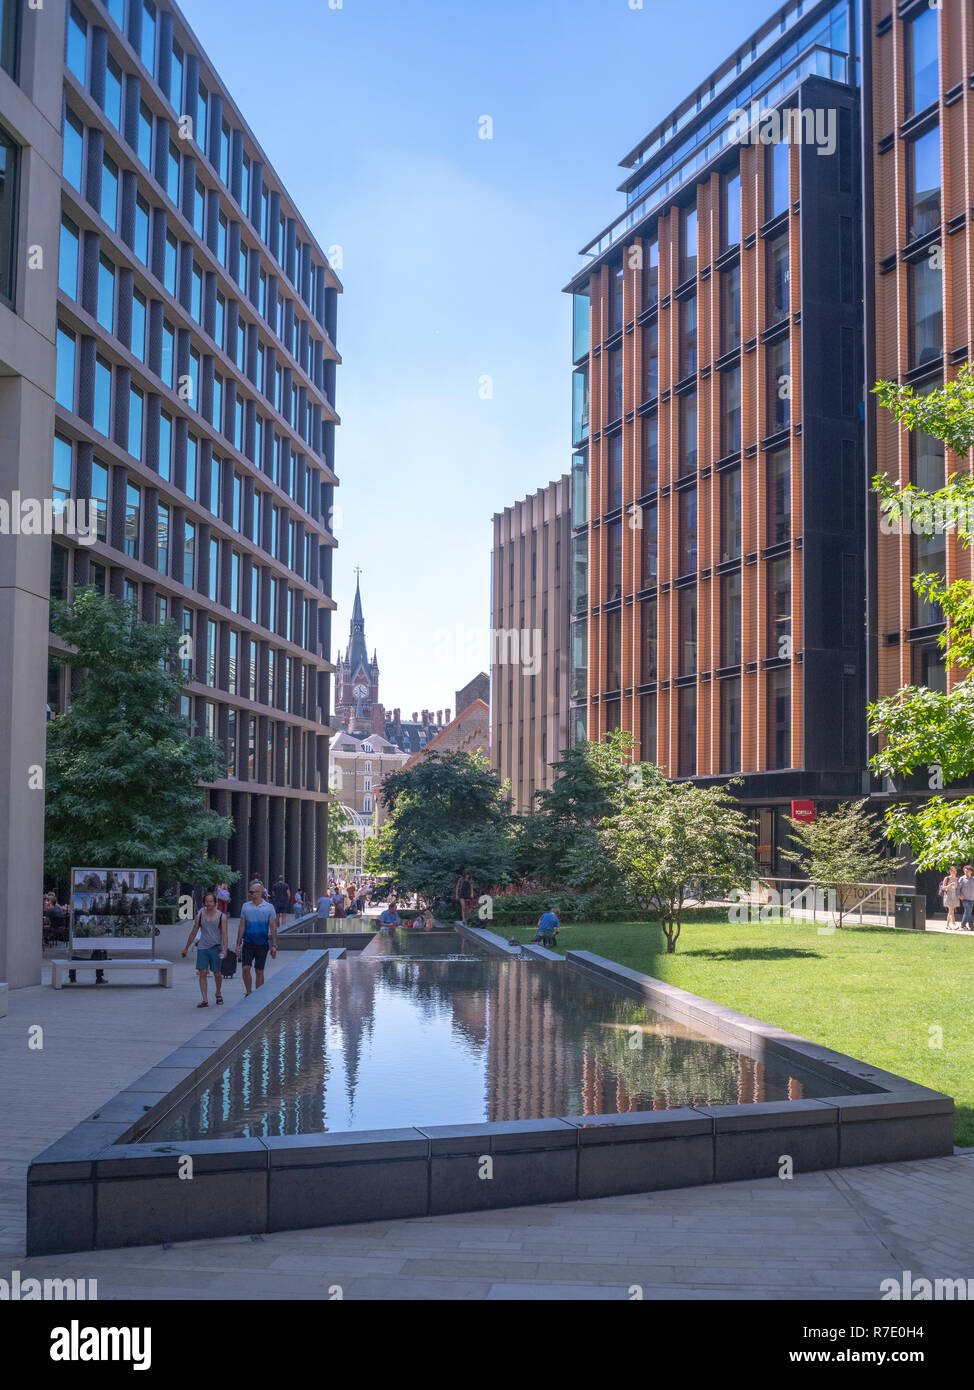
(357, 678)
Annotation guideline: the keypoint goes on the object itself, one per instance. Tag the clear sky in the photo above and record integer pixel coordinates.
(454, 253)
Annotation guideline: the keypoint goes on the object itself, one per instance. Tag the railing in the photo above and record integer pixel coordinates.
(852, 899)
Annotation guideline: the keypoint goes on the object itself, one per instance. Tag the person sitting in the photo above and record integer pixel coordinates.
(389, 920)
(548, 928)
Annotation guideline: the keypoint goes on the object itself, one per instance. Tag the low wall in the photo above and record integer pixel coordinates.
(96, 1189)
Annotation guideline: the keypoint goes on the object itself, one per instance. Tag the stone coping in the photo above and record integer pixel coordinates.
(488, 941)
(97, 1189)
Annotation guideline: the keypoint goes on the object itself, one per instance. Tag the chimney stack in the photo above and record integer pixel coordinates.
(439, 719)
(415, 717)
(446, 716)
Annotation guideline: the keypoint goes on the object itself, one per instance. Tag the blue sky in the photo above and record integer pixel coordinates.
(455, 250)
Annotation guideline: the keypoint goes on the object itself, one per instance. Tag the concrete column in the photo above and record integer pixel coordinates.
(292, 842)
(309, 881)
(275, 836)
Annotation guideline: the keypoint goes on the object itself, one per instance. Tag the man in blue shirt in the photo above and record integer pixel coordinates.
(258, 921)
(388, 920)
(548, 928)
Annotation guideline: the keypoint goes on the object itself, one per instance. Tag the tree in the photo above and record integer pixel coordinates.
(124, 773)
(920, 727)
(447, 813)
(342, 835)
(559, 843)
(668, 835)
(841, 847)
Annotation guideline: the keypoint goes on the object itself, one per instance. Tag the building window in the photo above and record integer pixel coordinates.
(581, 317)
(730, 724)
(196, 294)
(651, 360)
(172, 173)
(730, 515)
(164, 462)
(730, 411)
(779, 293)
(650, 636)
(65, 379)
(650, 273)
(72, 159)
(144, 148)
(779, 608)
(928, 554)
(136, 405)
(779, 718)
(67, 256)
(688, 337)
(169, 264)
(77, 44)
(928, 667)
(922, 63)
(579, 489)
(106, 294)
(615, 383)
(647, 729)
(101, 413)
(137, 344)
(688, 434)
(148, 47)
(650, 544)
(579, 673)
(731, 219)
(650, 465)
(163, 520)
(176, 78)
(687, 664)
(113, 92)
(141, 246)
(688, 249)
(579, 574)
(579, 406)
(99, 495)
(777, 193)
(926, 312)
(614, 494)
(730, 619)
(9, 36)
(133, 514)
(779, 496)
(779, 385)
(688, 531)
(923, 172)
(109, 192)
(687, 734)
(730, 309)
(613, 650)
(614, 561)
(616, 283)
(61, 485)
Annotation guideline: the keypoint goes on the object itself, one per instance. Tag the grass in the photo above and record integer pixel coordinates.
(874, 993)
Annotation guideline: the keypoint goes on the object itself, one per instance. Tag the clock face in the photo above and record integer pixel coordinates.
(360, 690)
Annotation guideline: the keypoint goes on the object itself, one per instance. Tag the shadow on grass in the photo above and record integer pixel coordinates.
(964, 1126)
(752, 953)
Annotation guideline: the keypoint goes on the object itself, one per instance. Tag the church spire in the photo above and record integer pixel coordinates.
(358, 652)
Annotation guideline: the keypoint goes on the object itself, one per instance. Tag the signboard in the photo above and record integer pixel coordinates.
(113, 910)
(803, 811)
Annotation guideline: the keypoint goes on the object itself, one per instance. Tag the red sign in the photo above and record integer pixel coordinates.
(803, 811)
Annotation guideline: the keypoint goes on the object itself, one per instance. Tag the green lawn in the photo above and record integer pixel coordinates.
(876, 994)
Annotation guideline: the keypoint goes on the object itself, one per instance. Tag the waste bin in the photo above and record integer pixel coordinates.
(910, 909)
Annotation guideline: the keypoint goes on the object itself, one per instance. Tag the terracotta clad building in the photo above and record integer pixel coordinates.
(719, 472)
(530, 586)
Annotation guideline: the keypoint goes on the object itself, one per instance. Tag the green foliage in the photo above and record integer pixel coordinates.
(123, 771)
(920, 727)
(447, 813)
(669, 835)
(842, 846)
(342, 835)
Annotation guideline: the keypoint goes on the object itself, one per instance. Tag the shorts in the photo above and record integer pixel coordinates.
(208, 958)
(255, 953)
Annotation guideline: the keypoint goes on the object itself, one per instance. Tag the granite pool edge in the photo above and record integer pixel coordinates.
(96, 1189)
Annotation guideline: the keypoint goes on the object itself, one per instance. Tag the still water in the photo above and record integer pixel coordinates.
(397, 1041)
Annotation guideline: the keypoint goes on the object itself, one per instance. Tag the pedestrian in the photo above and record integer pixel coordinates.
(549, 925)
(298, 903)
(950, 892)
(966, 887)
(211, 946)
(281, 898)
(338, 901)
(256, 930)
(464, 893)
(223, 897)
(324, 906)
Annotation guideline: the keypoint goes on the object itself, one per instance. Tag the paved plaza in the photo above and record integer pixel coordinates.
(823, 1235)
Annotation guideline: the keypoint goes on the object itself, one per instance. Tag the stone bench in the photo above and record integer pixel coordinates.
(164, 968)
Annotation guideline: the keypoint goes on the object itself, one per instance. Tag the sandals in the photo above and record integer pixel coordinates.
(203, 1005)
(219, 998)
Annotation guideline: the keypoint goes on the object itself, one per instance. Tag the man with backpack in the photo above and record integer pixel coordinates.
(211, 948)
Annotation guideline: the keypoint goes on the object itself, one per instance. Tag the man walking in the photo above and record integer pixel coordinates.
(258, 921)
(967, 899)
(281, 898)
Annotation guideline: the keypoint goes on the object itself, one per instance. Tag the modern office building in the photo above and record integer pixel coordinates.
(193, 401)
(719, 474)
(529, 632)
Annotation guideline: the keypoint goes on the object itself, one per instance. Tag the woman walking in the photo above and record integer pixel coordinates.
(211, 947)
(950, 892)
